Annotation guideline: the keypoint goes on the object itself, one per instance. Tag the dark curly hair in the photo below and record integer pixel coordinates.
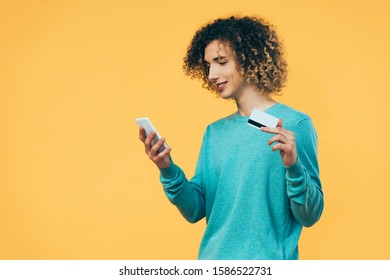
(255, 45)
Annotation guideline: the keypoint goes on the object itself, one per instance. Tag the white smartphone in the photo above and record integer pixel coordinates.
(148, 126)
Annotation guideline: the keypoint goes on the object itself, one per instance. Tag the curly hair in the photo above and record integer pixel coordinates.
(255, 45)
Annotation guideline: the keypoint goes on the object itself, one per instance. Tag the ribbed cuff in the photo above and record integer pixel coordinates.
(295, 171)
(169, 172)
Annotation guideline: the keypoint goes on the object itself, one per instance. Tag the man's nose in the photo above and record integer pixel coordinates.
(213, 74)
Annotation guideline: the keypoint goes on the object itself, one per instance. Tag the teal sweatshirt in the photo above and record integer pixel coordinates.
(255, 207)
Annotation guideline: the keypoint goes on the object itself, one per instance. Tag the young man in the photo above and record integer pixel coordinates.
(255, 200)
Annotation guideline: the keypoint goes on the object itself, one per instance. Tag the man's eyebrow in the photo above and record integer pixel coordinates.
(218, 58)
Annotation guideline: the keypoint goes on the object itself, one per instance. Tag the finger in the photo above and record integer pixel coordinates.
(142, 135)
(282, 147)
(269, 129)
(275, 130)
(164, 153)
(279, 123)
(154, 150)
(149, 139)
(148, 142)
(278, 138)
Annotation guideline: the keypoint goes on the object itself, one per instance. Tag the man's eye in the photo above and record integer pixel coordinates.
(222, 63)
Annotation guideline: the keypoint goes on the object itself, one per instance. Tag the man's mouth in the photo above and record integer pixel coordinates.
(221, 86)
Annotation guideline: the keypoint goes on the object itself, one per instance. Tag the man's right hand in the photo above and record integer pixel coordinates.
(163, 159)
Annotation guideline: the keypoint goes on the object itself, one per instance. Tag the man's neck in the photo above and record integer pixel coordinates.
(250, 98)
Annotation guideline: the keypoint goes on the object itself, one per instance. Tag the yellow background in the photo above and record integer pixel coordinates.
(74, 180)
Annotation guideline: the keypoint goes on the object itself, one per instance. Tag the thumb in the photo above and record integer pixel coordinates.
(279, 123)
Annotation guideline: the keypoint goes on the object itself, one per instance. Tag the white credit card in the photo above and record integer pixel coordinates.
(259, 118)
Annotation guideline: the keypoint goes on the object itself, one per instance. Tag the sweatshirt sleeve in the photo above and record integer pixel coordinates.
(186, 195)
(303, 183)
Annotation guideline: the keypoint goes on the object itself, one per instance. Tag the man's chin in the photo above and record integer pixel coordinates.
(227, 97)
(224, 95)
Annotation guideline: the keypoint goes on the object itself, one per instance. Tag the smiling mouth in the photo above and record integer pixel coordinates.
(221, 86)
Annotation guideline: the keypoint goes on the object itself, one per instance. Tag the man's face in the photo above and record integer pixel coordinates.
(223, 73)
